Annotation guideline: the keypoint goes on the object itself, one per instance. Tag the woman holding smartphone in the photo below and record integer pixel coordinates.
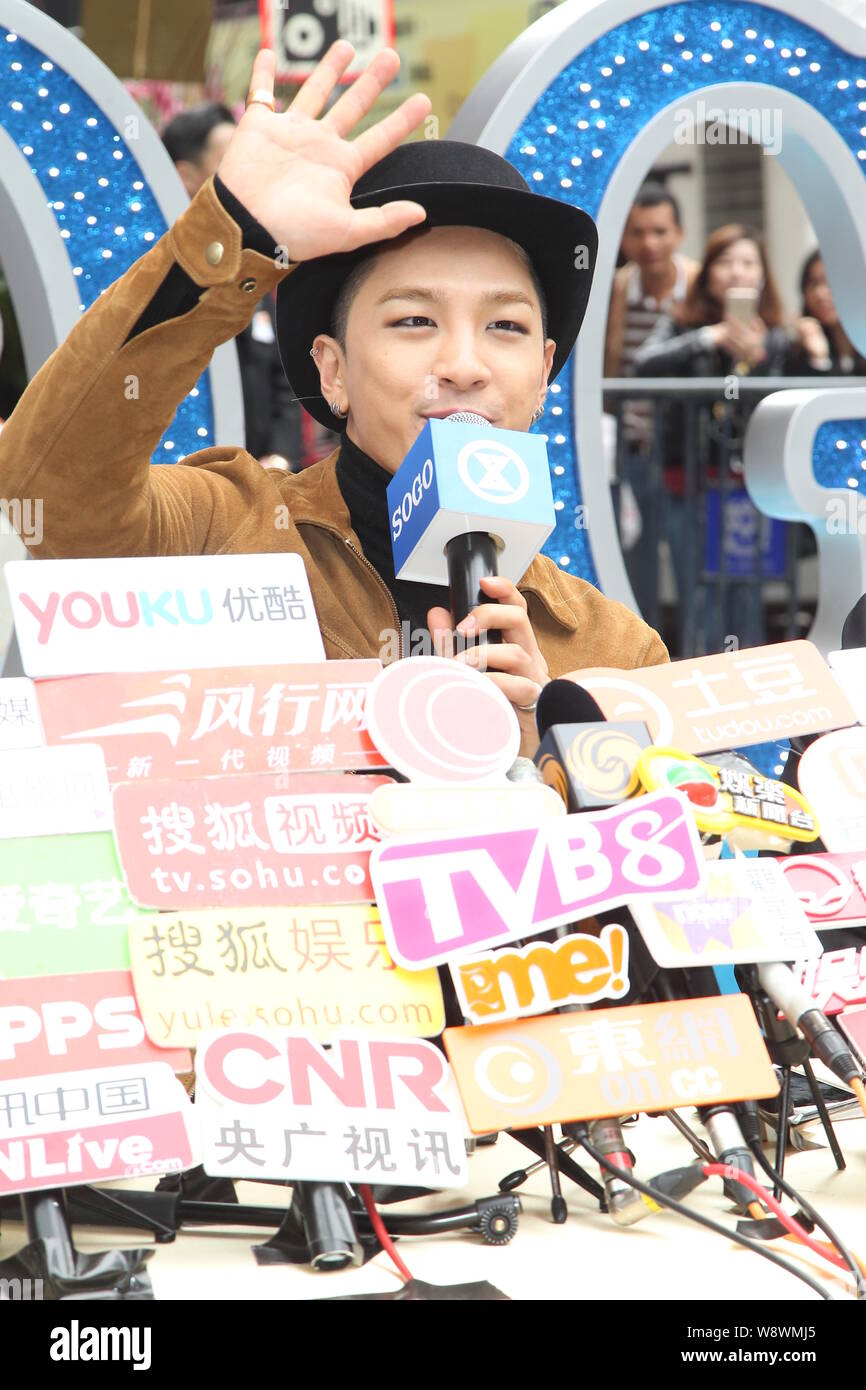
(730, 324)
(822, 346)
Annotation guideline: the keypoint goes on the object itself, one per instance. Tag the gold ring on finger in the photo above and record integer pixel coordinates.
(261, 96)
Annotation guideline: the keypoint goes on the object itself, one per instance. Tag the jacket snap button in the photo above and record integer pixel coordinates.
(248, 286)
(214, 253)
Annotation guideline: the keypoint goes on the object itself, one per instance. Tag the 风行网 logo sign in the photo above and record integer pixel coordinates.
(198, 723)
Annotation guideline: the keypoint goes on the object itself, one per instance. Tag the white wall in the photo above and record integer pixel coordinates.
(688, 189)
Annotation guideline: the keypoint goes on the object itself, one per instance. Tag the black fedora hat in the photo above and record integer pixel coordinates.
(459, 184)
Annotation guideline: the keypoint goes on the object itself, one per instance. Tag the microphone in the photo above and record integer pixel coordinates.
(566, 702)
(623, 1203)
(730, 797)
(592, 767)
(782, 986)
(469, 500)
(591, 762)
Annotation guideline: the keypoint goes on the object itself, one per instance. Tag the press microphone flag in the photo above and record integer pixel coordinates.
(591, 763)
(469, 500)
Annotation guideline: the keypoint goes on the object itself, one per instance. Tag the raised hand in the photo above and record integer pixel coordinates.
(812, 338)
(295, 170)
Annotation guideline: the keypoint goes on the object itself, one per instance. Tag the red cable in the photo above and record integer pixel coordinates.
(727, 1170)
(380, 1232)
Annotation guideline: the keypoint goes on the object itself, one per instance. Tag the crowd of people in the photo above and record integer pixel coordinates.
(719, 318)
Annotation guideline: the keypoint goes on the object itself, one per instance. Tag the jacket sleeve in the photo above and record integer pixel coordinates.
(81, 438)
(665, 352)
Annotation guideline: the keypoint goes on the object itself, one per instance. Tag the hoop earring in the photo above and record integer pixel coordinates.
(335, 410)
(537, 414)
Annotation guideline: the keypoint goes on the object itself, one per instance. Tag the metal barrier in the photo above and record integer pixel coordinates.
(738, 574)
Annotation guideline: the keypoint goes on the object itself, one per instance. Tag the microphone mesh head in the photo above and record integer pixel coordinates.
(468, 417)
(566, 702)
(524, 770)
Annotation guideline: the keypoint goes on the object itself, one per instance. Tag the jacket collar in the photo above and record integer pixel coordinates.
(314, 499)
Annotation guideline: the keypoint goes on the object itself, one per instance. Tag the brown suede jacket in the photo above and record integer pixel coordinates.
(77, 441)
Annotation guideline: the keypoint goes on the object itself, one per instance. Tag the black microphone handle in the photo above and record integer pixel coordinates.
(471, 557)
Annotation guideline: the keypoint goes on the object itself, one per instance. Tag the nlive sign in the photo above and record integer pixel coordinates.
(441, 897)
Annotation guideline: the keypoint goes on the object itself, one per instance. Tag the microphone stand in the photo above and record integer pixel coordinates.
(325, 1226)
(64, 1272)
(787, 1049)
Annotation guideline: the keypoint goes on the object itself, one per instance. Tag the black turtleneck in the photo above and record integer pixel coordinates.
(362, 482)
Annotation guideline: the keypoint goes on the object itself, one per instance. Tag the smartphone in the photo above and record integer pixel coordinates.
(741, 304)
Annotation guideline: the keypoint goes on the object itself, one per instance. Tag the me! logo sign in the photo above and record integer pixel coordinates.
(441, 897)
(579, 969)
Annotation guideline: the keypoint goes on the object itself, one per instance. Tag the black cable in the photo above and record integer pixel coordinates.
(426, 1223)
(808, 1210)
(662, 1200)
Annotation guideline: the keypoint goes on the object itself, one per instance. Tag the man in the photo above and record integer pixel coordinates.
(196, 140)
(284, 192)
(656, 277)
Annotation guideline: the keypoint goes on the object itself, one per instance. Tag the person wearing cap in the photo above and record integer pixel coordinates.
(470, 299)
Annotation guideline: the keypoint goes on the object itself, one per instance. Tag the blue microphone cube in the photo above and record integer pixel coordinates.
(460, 477)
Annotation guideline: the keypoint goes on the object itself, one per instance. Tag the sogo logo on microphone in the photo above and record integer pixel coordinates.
(401, 515)
(498, 464)
(457, 478)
